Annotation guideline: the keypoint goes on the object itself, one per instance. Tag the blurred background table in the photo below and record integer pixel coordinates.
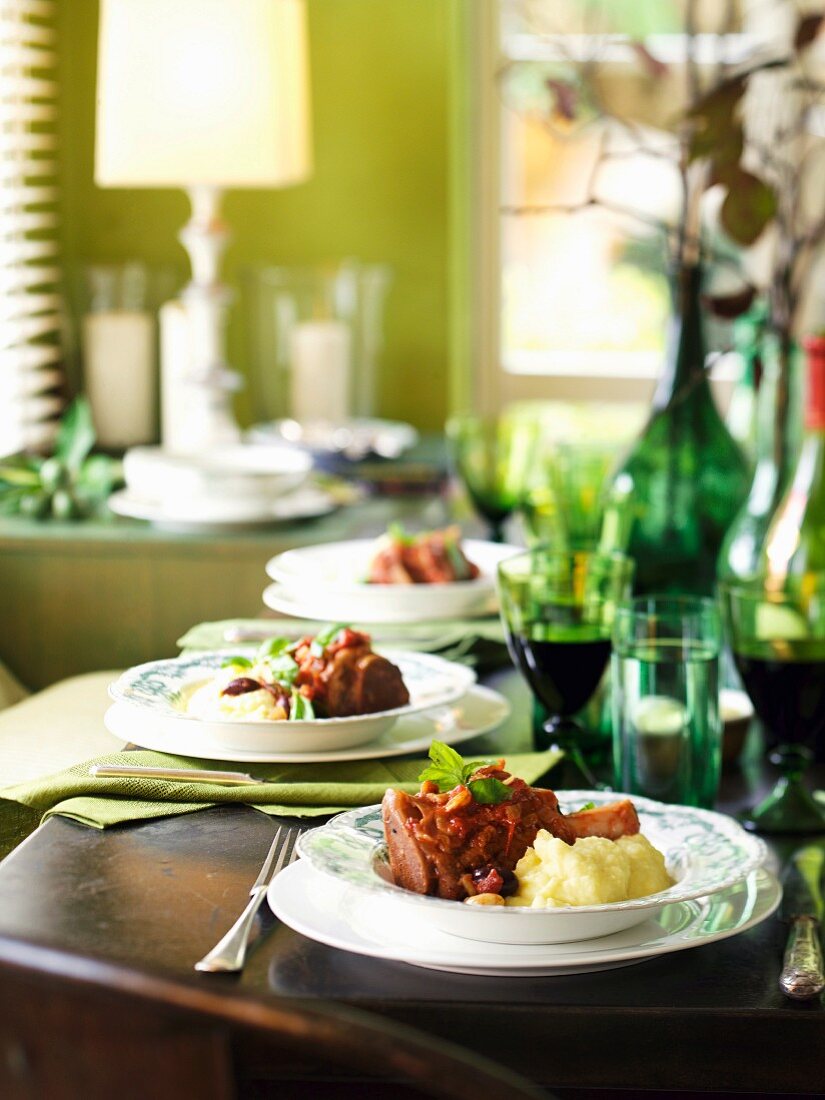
(75, 597)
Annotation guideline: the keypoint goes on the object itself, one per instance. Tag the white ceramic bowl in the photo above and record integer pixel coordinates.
(704, 851)
(160, 689)
(334, 576)
(242, 475)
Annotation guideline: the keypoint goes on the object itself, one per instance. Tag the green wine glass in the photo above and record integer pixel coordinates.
(566, 501)
(493, 458)
(778, 643)
(557, 607)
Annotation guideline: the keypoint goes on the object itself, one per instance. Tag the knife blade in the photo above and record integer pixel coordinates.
(179, 775)
(802, 977)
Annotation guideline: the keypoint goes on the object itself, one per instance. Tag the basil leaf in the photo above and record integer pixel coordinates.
(273, 647)
(457, 560)
(446, 769)
(489, 791)
(324, 637)
(236, 662)
(586, 806)
(283, 668)
(302, 708)
(76, 435)
(396, 532)
(469, 770)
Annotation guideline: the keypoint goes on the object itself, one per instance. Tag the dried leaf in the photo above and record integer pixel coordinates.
(728, 306)
(565, 98)
(807, 30)
(717, 130)
(748, 207)
(652, 65)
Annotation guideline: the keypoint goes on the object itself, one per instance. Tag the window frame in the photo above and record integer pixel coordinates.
(479, 377)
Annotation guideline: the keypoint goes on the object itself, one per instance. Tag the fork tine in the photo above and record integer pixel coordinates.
(276, 847)
(287, 854)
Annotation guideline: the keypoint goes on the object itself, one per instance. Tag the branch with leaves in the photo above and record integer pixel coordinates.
(71, 484)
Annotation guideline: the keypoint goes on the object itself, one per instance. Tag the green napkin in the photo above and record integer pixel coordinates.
(294, 790)
(476, 642)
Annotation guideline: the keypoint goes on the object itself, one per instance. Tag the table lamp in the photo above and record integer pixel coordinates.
(204, 95)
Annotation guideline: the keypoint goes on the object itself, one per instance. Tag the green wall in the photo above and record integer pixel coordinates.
(379, 191)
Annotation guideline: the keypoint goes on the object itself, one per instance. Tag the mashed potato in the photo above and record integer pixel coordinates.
(206, 701)
(593, 871)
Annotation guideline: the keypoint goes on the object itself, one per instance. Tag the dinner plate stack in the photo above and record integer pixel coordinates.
(341, 893)
(220, 490)
(329, 583)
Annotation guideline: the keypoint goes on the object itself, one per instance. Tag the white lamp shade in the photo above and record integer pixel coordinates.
(209, 92)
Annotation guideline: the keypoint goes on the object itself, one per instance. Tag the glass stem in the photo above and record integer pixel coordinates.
(565, 733)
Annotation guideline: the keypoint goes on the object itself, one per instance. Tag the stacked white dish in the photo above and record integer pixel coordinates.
(227, 487)
(328, 582)
(341, 893)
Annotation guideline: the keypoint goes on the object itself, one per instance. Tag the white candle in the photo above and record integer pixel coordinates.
(320, 353)
(119, 374)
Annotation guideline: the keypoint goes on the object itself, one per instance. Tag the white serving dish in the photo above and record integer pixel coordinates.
(478, 711)
(219, 516)
(233, 474)
(159, 689)
(334, 575)
(345, 918)
(704, 851)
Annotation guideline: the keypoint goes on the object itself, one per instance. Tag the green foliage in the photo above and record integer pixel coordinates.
(448, 770)
(71, 484)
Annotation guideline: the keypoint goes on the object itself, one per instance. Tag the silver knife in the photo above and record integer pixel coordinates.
(181, 775)
(802, 976)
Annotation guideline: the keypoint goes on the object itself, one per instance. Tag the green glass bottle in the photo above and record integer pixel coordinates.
(779, 416)
(742, 416)
(685, 479)
(794, 547)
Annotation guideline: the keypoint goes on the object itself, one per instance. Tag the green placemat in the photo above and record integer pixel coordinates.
(477, 642)
(295, 790)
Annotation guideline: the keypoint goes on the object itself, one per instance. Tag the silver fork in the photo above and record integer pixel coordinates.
(229, 955)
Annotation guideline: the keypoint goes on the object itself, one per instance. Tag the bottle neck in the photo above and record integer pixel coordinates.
(684, 371)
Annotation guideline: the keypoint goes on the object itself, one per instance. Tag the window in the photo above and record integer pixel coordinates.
(578, 305)
(30, 302)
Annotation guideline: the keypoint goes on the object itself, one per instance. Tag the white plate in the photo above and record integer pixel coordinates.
(339, 916)
(704, 851)
(159, 689)
(479, 711)
(324, 608)
(233, 472)
(331, 576)
(306, 502)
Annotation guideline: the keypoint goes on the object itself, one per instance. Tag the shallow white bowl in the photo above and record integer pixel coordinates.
(160, 688)
(234, 474)
(334, 574)
(705, 852)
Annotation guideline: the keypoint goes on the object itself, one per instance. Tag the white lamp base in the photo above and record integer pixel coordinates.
(196, 383)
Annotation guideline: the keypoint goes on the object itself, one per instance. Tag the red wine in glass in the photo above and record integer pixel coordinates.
(563, 672)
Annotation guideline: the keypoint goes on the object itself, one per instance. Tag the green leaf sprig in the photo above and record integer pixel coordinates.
(71, 484)
(325, 637)
(448, 770)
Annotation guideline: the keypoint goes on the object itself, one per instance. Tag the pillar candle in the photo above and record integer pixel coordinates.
(119, 373)
(320, 354)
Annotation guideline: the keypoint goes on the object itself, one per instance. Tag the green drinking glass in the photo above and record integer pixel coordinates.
(493, 458)
(667, 730)
(777, 635)
(557, 607)
(566, 503)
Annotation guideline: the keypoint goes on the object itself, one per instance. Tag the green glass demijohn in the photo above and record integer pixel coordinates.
(778, 441)
(685, 478)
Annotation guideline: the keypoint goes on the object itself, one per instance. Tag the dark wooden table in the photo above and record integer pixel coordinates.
(153, 898)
